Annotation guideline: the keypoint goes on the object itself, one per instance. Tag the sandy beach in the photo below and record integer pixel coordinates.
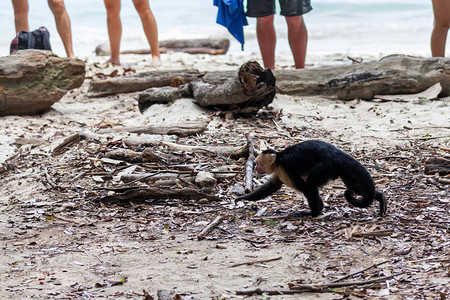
(57, 243)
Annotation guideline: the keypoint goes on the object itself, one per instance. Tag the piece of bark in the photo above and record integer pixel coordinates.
(148, 195)
(431, 93)
(181, 129)
(71, 140)
(125, 155)
(205, 180)
(29, 141)
(162, 95)
(253, 87)
(377, 233)
(439, 165)
(167, 183)
(140, 82)
(31, 81)
(191, 46)
(132, 156)
(248, 179)
(395, 74)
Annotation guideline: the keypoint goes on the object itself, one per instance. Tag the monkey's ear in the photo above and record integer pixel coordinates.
(273, 156)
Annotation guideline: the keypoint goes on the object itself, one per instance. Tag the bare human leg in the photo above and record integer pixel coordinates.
(114, 29)
(21, 15)
(267, 40)
(62, 21)
(441, 10)
(298, 39)
(150, 28)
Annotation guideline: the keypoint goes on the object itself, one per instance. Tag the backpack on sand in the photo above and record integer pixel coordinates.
(37, 39)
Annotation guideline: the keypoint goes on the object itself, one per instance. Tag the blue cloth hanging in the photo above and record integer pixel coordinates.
(231, 15)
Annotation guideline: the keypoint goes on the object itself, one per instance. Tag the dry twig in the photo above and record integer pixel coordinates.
(255, 262)
(210, 227)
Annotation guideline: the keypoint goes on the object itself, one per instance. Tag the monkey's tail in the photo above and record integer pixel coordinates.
(359, 182)
(365, 201)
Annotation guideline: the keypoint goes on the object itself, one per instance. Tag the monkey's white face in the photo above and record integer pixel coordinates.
(264, 163)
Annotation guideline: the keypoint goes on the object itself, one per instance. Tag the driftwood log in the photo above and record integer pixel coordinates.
(31, 81)
(389, 76)
(251, 89)
(191, 46)
(181, 129)
(140, 82)
(151, 195)
(394, 74)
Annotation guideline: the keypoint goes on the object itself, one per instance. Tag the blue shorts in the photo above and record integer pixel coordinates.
(289, 8)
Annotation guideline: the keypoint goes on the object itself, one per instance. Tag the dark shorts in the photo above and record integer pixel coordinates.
(289, 8)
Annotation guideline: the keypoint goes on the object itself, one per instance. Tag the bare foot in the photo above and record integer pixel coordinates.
(156, 61)
(113, 62)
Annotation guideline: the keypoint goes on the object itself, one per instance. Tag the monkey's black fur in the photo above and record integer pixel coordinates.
(319, 162)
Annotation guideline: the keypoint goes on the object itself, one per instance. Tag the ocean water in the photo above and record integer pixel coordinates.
(349, 27)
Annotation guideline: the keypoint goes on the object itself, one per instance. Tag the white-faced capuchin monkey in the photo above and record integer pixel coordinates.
(307, 166)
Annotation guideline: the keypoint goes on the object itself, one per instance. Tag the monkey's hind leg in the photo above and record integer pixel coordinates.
(314, 202)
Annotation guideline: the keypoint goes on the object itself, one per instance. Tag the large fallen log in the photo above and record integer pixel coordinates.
(390, 75)
(394, 74)
(32, 80)
(191, 46)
